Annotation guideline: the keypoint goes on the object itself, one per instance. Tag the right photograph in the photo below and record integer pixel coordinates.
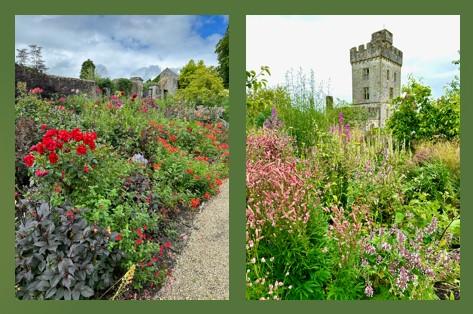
(353, 157)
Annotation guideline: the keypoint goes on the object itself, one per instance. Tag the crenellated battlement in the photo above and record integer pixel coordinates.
(379, 46)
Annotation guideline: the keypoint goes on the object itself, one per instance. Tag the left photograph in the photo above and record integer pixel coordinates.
(121, 166)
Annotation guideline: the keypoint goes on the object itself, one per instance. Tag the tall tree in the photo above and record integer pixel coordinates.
(222, 51)
(37, 61)
(22, 56)
(87, 71)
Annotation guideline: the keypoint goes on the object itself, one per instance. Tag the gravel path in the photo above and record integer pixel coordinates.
(201, 271)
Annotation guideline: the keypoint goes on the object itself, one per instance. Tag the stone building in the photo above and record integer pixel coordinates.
(376, 76)
(137, 86)
(166, 85)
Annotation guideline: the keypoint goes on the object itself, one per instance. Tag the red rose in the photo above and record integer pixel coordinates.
(44, 126)
(77, 135)
(28, 160)
(81, 149)
(49, 143)
(53, 157)
(118, 237)
(86, 169)
(207, 195)
(64, 135)
(50, 133)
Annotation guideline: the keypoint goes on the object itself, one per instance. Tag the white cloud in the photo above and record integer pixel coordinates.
(122, 44)
(322, 43)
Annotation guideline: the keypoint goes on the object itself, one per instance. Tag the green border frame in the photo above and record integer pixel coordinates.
(237, 11)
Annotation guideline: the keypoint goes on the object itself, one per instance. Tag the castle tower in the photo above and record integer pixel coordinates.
(376, 76)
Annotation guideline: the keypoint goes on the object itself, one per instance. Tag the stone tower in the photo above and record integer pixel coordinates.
(376, 76)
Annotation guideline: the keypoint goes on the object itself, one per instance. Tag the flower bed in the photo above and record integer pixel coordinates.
(99, 184)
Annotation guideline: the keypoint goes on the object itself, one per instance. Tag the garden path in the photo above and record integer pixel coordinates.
(201, 271)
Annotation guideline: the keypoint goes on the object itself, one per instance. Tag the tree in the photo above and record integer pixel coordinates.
(22, 56)
(222, 51)
(188, 71)
(87, 71)
(37, 61)
(417, 116)
(123, 84)
(200, 85)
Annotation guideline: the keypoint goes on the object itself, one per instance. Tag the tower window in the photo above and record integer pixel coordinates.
(366, 73)
(387, 75)
(391, 93)
(366, 93)
(395, 76)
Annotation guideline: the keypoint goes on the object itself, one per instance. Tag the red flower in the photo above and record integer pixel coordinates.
(190, 171)
(138, 241)
(29, 160)
(140, 233)
(64, 135)
(118, 237)
(86, 169)
(38, 148)
(81, 149)
(77, 135)
(44, 126)
(167, 244)
(53, 157)
(218, 181)
(41, 173)
(195, 202)
(173, 138)
(49, 143)
(50, 133)
(156, 166)
(207, 195)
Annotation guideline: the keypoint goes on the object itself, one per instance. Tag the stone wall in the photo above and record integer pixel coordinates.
(52, 84)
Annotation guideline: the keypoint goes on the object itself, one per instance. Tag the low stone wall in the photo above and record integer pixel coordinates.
(52, 84)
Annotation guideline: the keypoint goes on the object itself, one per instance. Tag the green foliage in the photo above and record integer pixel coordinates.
(223, 56)
(87, 70)
(103, 83)
(59, 255)
(200, 85)
(122, 85)
(417, 116)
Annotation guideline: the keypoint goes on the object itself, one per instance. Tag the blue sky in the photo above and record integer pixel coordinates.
(123, 45)
(322, 43)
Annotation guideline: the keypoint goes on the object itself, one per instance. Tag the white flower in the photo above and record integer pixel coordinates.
(263, 260)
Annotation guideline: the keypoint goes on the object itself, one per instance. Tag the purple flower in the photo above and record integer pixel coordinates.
(347, 132)
(369, 290)
(340, 118)
(402, 279)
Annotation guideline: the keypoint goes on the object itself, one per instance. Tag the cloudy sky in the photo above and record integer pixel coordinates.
(121, 46)
(322, 43)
